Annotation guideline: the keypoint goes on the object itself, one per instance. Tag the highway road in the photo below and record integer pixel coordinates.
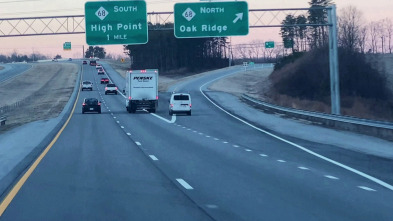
(12, 70)
(208, 166)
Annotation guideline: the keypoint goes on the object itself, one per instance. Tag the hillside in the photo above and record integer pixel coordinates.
(365, 84)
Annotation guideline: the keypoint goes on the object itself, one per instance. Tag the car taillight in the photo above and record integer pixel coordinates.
(156, 97)
(171, 105)
(99, 104)
(106, 88)
(190, 105)
(115, 88)
(129, 98)
(83, 104)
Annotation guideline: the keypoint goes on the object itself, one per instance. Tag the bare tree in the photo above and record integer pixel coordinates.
(374, 33)
(241, 51)
(363, 38)
(388, 34)
(350, 24)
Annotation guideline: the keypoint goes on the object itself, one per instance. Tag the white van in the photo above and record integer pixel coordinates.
(180, 103)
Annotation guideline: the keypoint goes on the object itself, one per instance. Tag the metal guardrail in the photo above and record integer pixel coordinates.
(370, 127)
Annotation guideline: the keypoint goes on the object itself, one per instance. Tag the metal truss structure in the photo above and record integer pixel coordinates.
(75, 24)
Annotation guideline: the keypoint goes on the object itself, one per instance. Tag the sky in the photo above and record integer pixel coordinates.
(51, 45)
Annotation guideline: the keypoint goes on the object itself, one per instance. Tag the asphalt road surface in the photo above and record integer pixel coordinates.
(208, 166)
(12, 70)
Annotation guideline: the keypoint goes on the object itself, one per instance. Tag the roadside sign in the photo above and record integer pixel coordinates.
(211, 19)
(116, 22)
(269, 44)
(67, 46)
(122, 60)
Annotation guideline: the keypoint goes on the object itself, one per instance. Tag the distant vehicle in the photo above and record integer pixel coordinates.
(93, 63)
(141, 90)
(84, 62)
(98, 66)
(91, 105)
(180, 103)
(87, 85)
(101, 71)
(110, 89)
(54, 59)
(69, 59)
(104, 80)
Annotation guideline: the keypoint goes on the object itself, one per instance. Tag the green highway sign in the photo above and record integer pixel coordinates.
(269, 44)
(116, 22)
(67, 46)
(211, 19)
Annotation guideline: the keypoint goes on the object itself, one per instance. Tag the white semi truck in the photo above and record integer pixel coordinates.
(142, 90)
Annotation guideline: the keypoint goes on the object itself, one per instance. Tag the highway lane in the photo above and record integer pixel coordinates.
(95, 172)
(236, 170)
(228, 169)
(12, 70)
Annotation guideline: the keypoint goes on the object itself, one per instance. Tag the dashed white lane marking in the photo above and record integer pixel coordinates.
(195, 131)
(137, 143)
(114, 117)
(122, 127)
(216, 139)
(112, 114)
(263, 155)
(366, 188)
(207, 136)
(184, 127)
(109, 110)
(118, 122)
(281, 161)
(235, 146)
(184, 184)
(153, 157)
(331, 177)
(248, 150)
(188, 129)
(200, 133)
(360, 173)
(225, 142)
(303, 168)
(129, 134)
(211, 206)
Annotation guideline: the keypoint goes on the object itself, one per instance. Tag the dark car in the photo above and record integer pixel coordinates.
(84, 62)
(91, 105)
(93, 63)
(104, 80)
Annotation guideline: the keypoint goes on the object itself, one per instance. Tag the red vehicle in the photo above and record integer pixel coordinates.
(104, 80)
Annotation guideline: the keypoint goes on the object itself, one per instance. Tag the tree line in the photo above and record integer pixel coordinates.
(15, 57)
(170, 54)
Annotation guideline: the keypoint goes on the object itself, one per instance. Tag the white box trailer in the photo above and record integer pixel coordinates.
(142, 90)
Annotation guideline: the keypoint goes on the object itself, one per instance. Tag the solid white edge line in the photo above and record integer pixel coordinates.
(153, 157)
(173, 120)
(371, 178)
(184, 184)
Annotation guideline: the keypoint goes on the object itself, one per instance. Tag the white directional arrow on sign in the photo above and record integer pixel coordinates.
(238, 16)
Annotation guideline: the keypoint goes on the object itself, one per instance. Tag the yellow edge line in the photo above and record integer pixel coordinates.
(10, 196)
